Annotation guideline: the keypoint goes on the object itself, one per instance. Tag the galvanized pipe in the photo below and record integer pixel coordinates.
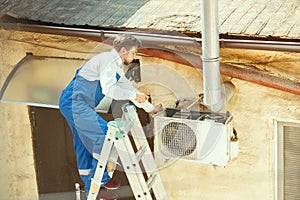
(212, 89)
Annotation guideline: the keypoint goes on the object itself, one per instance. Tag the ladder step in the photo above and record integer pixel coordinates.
(139, 154)
(151, 180)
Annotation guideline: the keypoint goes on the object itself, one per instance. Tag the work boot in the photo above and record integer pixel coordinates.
(112, 185)
(105, 195)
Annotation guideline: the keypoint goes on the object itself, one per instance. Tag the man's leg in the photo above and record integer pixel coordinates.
(83, 157)
(106, 179)
(92, 131)
(84, 162)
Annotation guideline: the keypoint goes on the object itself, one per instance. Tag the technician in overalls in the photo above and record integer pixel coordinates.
(100, 76)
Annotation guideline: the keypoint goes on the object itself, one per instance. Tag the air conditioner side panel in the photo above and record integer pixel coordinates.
(215, 144)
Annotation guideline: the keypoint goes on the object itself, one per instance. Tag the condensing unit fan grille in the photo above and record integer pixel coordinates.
(178, 139)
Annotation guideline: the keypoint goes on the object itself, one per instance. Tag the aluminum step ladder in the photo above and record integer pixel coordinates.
(117, 137)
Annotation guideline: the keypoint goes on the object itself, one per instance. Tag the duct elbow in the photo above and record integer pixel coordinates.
(229, 90)
(226, 92)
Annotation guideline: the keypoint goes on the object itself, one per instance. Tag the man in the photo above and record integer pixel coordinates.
(100, 76)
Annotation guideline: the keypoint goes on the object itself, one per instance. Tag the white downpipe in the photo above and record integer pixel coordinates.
(214, 92)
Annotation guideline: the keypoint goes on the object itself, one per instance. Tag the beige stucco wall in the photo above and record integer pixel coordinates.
(17, 173)
(254, 107)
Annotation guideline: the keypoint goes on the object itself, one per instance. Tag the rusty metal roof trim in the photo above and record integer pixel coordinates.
(154, 38)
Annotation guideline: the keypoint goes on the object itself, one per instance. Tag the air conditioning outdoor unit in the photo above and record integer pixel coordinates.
(196, 136)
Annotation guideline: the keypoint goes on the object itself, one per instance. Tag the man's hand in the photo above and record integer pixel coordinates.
(157, 108)
(141, 97)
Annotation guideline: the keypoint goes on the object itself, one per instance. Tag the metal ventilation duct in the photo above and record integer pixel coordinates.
(213, 91)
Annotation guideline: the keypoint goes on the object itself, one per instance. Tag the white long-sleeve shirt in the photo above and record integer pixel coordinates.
(104, 67)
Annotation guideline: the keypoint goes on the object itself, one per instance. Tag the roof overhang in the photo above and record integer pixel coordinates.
(156, 39)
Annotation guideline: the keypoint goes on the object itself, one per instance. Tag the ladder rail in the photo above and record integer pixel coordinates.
(117, 139)
(132, 169)
(140, 140)
(102, 162)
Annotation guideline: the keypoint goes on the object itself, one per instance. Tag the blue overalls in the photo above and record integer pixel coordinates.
(77, 104)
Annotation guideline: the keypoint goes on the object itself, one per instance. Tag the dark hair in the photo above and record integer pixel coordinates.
(127, 41)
